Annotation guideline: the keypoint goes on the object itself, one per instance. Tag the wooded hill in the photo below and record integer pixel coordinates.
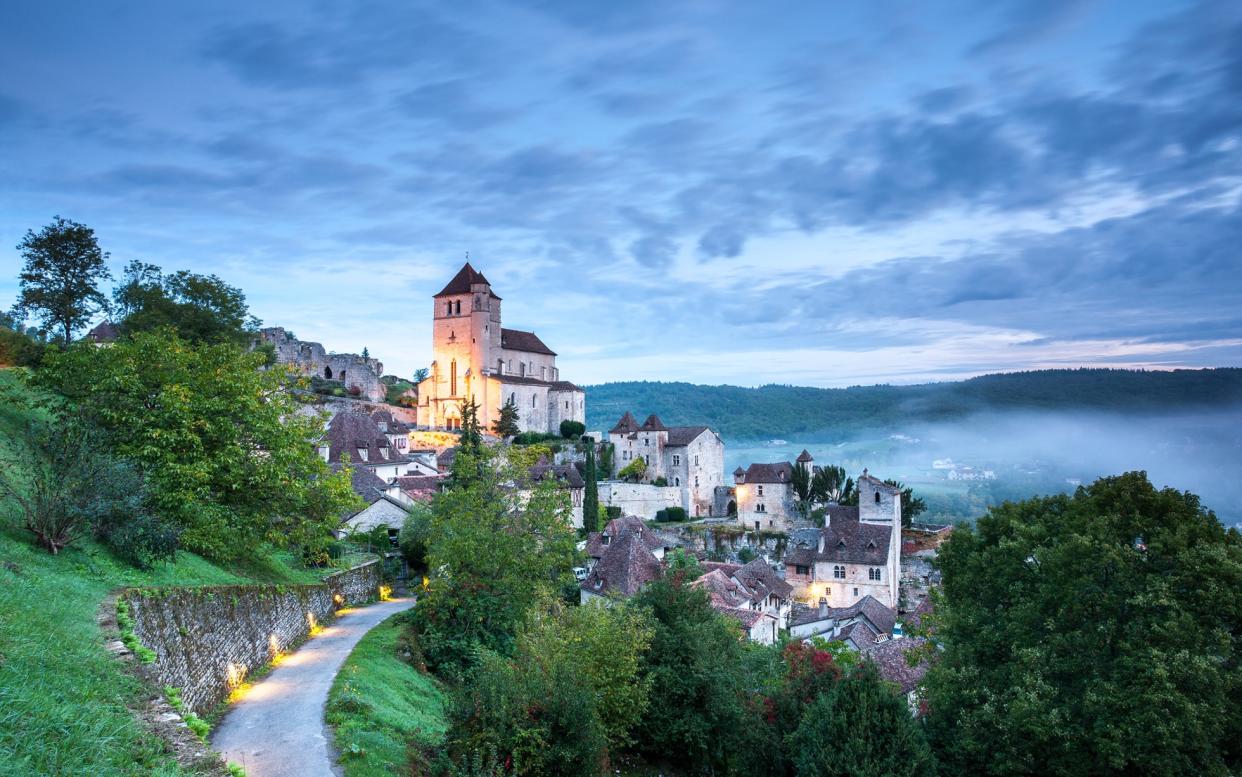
(791, 411)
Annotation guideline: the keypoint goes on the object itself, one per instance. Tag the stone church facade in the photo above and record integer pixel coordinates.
(474, 357)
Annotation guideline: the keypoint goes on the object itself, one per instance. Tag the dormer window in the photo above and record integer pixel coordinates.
(841, 544)
(362, 454)
(871, 545)
(605, 538)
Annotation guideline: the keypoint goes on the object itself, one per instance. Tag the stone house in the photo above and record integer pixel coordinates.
(751, 594)
(475, 358)
(599, 542)
(858, 552)
(358, 438)
(625, 566)
(354, 372)
(765, 497)
(384, 503)
(860, 625)
(690, 458)
(104, 333)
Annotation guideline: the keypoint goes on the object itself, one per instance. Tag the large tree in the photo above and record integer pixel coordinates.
(497, 544)
(201, 308)
(1092, 634)
(227, 453)
(590, 496)
(507, 422)
(60, 280)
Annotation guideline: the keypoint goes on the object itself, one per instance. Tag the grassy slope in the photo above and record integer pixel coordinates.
(62, 697)
(379, 705)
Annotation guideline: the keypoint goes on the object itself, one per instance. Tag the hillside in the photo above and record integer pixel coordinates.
(792, 411)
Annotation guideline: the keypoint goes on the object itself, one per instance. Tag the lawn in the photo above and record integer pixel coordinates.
(380, 706)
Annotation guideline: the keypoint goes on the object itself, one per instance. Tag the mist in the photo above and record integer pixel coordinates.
(962, 467)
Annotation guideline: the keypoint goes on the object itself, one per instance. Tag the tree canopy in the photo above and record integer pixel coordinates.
(200, 308)
(1092, 634)
(60, 278)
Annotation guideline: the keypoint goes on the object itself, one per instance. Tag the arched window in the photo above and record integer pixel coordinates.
(457, 307)
(838, 572)
(877, 497)
(677, 481)
(532, 400)
(327, 373)
(453, 378)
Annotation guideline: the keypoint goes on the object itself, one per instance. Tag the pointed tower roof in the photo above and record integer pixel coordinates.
(805, 457)
(654, 424)
(627, 425)
(466, 277)
(739, 472)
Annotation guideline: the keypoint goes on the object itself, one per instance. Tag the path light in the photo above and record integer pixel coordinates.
(385, 592)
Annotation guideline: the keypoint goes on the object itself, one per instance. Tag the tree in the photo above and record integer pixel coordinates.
(590, 495)
(679, 560)
(494, 550)
(365, 353)
(507, 423)
(60, 280)
(572, 430)
(200, 308)
(63, 482)
(830, 484)
(227, 454)
(413, 537)
(800, 479)
(471, 431)
(1095, 634)
(421, 374)
(832, 741)
(694, 663)
(911, 505)
(635, 470)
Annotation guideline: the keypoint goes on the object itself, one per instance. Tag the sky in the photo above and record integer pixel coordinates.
(828, 193)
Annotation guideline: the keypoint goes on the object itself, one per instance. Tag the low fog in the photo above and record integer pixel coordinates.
(961, 467)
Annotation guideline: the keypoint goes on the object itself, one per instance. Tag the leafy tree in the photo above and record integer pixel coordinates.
(859, 727)
(1092, 634)
(228, 457)
(414, 534)
(507, 422)
(606, 645)
(607, 456)
(63, 482)
(635, 470)
(201, 308)
(694, 662)
(572, 430)
(59, 282)
(421, 374)
(493, 553)
(830, 484)
(679, 560)
(911, 505)
(590, 496)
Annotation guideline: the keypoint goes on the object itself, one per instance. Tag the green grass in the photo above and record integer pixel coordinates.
(380, 706)
(63, 698)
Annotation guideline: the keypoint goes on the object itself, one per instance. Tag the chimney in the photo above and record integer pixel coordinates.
(823, 607)
(821, 542)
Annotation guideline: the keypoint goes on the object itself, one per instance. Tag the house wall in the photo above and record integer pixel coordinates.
(840, 593)
(641, 499)
(565, 406)
(207, 639)
(703, 467)
(379, 513)
(777, 499)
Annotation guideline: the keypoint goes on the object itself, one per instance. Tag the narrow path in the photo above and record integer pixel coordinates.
(277, 729)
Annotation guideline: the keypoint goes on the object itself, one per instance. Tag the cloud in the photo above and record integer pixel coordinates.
(1030, 21)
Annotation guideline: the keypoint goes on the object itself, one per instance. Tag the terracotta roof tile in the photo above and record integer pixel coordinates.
(625, 567)
(891, 659)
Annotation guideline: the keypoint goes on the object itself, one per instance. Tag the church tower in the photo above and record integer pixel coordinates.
(465, 332)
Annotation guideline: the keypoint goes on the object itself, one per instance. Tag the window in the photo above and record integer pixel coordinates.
(606, 539)
(696, 461)
(500, 366)
(532, 400)
(756, 526)
(453, 378)
(877, 497)
(696, 481)
(677, 481)
(761, 508)
(856, 592)
(801, 570)
(838, 572)
(873, 573)
(522, 369)
(760, 490)
(543, 373)
(647, 441)
(676, 460)
(566, 405)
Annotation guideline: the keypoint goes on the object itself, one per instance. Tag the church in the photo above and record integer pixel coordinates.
(474, 357)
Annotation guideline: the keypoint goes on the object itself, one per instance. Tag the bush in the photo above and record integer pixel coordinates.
(534, 438)
(142, 540)
(613, 511)
(671, 514)
(660, 481)
(572, 430)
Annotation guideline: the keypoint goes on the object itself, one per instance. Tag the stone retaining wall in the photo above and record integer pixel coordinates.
(207, 639)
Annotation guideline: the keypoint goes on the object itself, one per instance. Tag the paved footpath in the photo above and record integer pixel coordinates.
(277, 728)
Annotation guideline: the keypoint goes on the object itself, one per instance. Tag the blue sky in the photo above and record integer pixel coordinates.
(812, 193)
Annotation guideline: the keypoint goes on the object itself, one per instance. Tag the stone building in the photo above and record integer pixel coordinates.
(354, 372)
(858, 552)
(752, 594)
(765, 497)
(474, 357)
(690, 458)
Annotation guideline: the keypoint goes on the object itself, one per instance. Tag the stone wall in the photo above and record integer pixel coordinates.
(640, 499)
(311, 359)
(207, 639)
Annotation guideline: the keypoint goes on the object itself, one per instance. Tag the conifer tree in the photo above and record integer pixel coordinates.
(590, 499)
(507, 424)
(471, 432)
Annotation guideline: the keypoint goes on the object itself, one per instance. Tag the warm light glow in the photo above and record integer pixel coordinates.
(235, 675)
(273, 645)
(426, 582)
(385, 592)
(315, 628)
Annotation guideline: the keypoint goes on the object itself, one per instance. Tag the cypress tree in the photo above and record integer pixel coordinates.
(590, 499)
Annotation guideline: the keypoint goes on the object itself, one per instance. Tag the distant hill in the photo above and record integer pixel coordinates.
(792, 411)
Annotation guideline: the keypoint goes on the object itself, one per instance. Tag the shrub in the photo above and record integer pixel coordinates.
(572, 430)
(142, 540)
(534, 438)
(613, 511)
(660, 481)
(634, 470)
(671, 514)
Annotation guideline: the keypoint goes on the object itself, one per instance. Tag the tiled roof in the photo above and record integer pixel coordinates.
(890, 658)
(564, 385)
(617, 527)
(860, 633)
(364, 482)
(529, 342)
(104, 332)
(881, 618)
(847, 542)
(805, 456)
(681, 436)
(653, 424)
(747, 618)
(350, 431)
(563, 473)
(444, 459)
(625, 567)
(388, 423)
(758, 575)
(420, 483)
(627, 425)
(462, 282)
(841, 513)
(780, 472)
(880, 484)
